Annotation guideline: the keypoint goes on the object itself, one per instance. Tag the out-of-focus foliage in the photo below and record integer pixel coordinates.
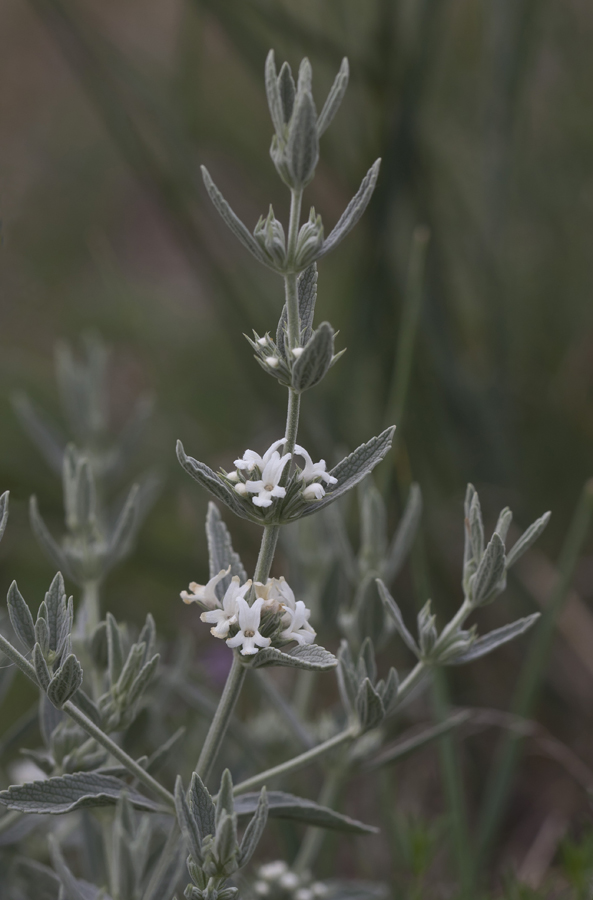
(482, 115)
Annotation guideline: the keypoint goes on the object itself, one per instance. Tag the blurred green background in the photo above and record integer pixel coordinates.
(482, 113)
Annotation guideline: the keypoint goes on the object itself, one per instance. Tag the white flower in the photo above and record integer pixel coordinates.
(251, 459)
(268, 486)
(273, 870)
(273, 362)
(262, 341)
(205, 593)
(299, 629)
(241, 489)
(222, 619)
(313, 470)
(277, 595)
(297, 351)
(249, 638)
(232, 476)
(314, 491)
(289, 880)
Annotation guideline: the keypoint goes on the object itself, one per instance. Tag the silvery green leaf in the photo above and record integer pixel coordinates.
(334, 98)
(115, 649)
(467, 505)
(209, 480)
(307, 296)
(495, 639)
(3, 512)
(303, 656)
(143, 679)
(220, 550)
(354, 210)
(65, 682)
(226, 844)
(367, 657)
(65, 793)
(390, 691)
(490, 574)
(397, 618)
(273, 93)
(56, 611)
(254, 829)
(187, 822)
(43, 435)
(131, 667)
(353, 468)
(347, 677)
(476, 529)
(302, 146)
(52, 549)
(224, 802)
(404, 747)
(427, 632)
(125, 527)
(287, 806)
(234, 223)
(369, 707)
(202, 806)
(87, 706)
(305, 77)
(148, 636)
(504, 523)
(315, 360)
(157, 760)
(20, 617)
(70, 887)
(287, 89)
(373, 526)
(527, 539)
(405, 534)
(41, 669)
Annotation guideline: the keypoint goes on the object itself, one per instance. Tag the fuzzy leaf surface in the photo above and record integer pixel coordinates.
(494, 639)
(65, 793)
(208, 479)
(287, 806)
(354, 210)
(303, 656)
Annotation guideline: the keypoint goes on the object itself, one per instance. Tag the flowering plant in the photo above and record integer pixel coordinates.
(147, 837)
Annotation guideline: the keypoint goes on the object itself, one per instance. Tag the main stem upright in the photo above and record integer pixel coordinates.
(236, 676)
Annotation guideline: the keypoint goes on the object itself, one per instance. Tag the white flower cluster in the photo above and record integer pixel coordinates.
(276, 598)
(271, 467)
(275, 877)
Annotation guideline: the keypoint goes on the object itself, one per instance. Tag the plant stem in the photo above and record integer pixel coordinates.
(266, 553)
(92, 730)
(297, 762)
(220, 722)
(292, 420)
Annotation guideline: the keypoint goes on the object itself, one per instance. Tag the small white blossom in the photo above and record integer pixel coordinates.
(251, 459)
(299, 629)
(222, 619)
(248, 637)
(262, 341)
(313, 470)
(273, 870)
(232, 476)
(289, 880)
(205, 593)
(297, 351)
(273, 362)
(241, 489)
(268, 485)
(314, 491)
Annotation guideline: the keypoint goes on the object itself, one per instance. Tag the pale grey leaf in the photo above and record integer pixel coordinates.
(287, 89)
(494, 639)
(334, 98)
(302, 146)
(369, 707)
(303, 656)
(307, 296)
(220, 550)
(202, 806)
(65, 793)
(490, 573)
(55, 604)
(287, 806)
(20, 616)
(233, 221)
(41, 669)
(187, 822)
(65, 682)
(397, 617)
(124, 532)
(315, 360)
(354, 210)
(273, 93)
(527, 539)
(209, 480)
(353, 468)
(46, 541)
(3, 512)
(403, 539)
(254, 829)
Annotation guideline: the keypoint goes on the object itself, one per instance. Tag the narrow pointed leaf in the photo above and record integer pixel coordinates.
(404, 536)
(303, 656)
(334, 98)
(490, 572)
(3, 512)
(202, 806)
(20, 616)
(233, 221)
(46, 541)
(354, 210)
(209, 480)
(65, 682)
(254, 830)
(302, 147)
(527, 539)
(287, 806)
(220, 549)
(315, 360)
(273, 93)
(494, 639)
(65, 793)
(187, 822)
(397, 617)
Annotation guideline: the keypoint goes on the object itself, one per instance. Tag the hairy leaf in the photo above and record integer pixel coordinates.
(287, 806)
(209, 480)
(405, 534)
(303, 656)
(527, 539)
(254, 830)
(315, 360)
(65, 793)
(494, 639)
(489, 576)
(20, 616)
(334, 98)
(65, 682)
(397, 617)
(220, 550)
(354, 210)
